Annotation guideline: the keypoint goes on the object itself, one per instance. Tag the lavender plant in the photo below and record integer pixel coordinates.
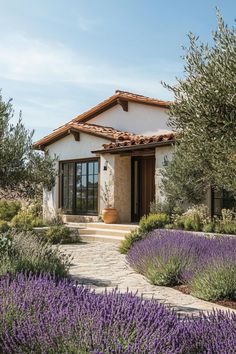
(25, 252)
(176, 257)
(44, 315)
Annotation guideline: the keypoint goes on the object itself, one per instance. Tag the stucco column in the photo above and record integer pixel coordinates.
(117, 175)
(107, 172)
(162, 154)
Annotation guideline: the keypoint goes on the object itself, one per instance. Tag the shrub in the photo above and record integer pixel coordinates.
(209, 227)
(227, 223)
(218, 282)
(193, 219)
(26, 221)
(30, 254)
(56, 221)
(5, 244)
(8, 209)
(146, 224)
(176, 257)
(152, 222)
(41, 315)
(169, 226)
(165, 273)
(164, 257)
(4, 226)
(129, 240)
(58, 234)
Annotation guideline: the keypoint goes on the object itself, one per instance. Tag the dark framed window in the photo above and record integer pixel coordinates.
(222, 200)
(79, 187)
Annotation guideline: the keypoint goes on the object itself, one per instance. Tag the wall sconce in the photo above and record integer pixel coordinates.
(105, 166)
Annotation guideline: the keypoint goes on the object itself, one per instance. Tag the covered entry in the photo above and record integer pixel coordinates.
(136, 167)
(142, 185)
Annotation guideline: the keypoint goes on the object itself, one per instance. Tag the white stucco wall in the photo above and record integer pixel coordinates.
(68, 149)
(140, 119)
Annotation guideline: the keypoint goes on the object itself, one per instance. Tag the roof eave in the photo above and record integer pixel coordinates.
(134, 147)
(42, 143)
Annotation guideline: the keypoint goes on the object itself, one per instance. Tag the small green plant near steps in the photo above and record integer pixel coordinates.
(56, 234)
(146, 224)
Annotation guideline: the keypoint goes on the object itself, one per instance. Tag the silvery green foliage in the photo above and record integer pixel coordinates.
(25, 252)
(43, 315)
(22, 169)
(204, 113)
(207, 264)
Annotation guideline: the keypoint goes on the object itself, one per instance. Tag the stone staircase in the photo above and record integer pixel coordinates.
(98, 231)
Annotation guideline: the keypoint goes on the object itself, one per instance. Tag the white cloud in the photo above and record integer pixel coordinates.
(34, 61)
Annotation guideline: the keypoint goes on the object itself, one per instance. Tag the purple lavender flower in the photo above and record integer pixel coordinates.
(44, 315)
(175, 257)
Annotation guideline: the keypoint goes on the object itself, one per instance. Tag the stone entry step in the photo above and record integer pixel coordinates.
(102, 238)
(103, 232)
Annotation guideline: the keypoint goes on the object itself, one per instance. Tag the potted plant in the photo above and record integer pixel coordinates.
(109, 213)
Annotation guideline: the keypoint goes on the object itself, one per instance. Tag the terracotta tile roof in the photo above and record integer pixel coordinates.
(79, 122)
(106, 132)
(94, 129)
(140, 140)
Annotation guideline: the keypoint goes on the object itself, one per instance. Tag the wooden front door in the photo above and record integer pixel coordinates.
(143, 185)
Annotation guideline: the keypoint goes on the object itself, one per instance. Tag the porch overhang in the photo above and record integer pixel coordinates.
(131, 148)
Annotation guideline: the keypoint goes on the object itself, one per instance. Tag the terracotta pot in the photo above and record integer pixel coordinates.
(109, 215)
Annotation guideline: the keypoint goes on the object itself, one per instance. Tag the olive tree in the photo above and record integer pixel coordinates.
(204, 115)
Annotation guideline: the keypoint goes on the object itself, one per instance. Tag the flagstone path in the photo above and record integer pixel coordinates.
(100, 266)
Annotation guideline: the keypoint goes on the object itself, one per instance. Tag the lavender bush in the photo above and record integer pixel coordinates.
(42, 315)
(170, 258)
(25, 252)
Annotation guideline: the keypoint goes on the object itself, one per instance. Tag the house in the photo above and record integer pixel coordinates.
(123, 141)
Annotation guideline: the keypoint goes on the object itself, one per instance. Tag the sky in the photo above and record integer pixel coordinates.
(59, 58)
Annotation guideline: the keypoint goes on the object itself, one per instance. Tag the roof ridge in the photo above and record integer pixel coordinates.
(130, 93)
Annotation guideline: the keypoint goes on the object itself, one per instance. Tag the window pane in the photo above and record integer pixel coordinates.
(84, 168)
(95, 181)
(90, 181)
(84, 181)
(96, 167)
(90, 168)
(78, 182)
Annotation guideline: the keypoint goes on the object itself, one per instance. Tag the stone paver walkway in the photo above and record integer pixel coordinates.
(100, 266)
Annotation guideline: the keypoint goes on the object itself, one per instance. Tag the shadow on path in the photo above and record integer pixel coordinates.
(99, 283)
